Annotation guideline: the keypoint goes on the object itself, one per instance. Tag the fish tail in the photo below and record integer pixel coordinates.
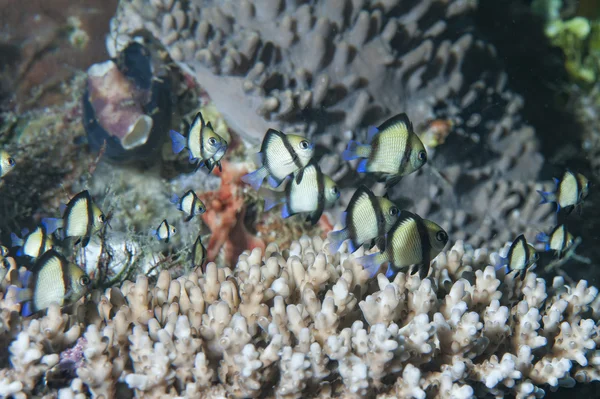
(272, 199)
(255, 178)
(362, 166)
(351, 151)
(336, 238)
(16, 241)
(547, 197)
(52, 224)
(274, 182)
(154, 232)
(27, 309)
(371, 263)
(285, 212)
(371, 133)
(174, 199)
(542, 237)
(177, 141)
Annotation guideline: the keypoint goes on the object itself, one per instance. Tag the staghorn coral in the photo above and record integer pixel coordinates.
(300, 321)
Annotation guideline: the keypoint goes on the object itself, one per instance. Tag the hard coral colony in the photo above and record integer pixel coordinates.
(382, 307)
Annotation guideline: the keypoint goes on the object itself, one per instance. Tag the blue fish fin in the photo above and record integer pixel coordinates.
(362, 166)
(27, 309)
(273, 182)
(350, 153)
(556, 182)
(285, 212)
(272, 199)
(336, 238)
(371, 263)
(390, 273)
(174, 199)
(52, 224)
(542, 237)
(371, 133)
(547, 197)
(503, 264)
(154, 233)
(16, 241)
(177, 141)
(255, 178)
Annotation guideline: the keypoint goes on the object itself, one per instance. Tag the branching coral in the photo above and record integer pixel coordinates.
(285, 323)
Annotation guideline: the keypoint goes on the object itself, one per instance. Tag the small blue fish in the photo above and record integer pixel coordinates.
(189, 203)
(394, 151)
(559, 240)
(281, 155)
(520, 256)
(569, 193)
(164, 231)
(202, 142)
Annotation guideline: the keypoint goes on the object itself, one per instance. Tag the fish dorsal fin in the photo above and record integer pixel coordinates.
(270, 135)
(399, 121)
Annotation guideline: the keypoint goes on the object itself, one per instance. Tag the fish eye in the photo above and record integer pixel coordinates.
(84, 280)
(304, 144)
(174, 230)
(335, 191)
(102, 218)
(11, 161)
(212, 141)
(393, 211)
(441, 236)
(422, 156)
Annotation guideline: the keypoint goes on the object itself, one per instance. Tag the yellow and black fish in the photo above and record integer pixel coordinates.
(3, 251)
(198, 255)
(310, 191)
(281, 155)
(202, 142)
(7, 163)
(189, 203)
(367, 218)
(394, 150)
(33, 244)
(164, 231)
(412, 241)
(520, 256)
(6, 263)
(81, 219)
(558, 240)
(52, 280)
(570, 191)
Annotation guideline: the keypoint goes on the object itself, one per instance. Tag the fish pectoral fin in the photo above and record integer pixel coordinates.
(314, 218)
(391, 181)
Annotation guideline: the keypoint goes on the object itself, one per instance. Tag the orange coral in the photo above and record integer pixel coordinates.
(225, 210)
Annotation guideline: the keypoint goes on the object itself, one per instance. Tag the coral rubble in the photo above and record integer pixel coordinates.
(297, 322)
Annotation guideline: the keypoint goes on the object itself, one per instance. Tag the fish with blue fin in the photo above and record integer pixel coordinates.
(81, 219)
(198, 255)
(558, 240)
(3, 251)
(570, 191)
(310, 192)
(394, 151)
(368, 218)
(52, 279)
(33, 244)
(202, 142)
(164, 231)
(281, 155)
(189, 203)
(411, 242)
(521, 255)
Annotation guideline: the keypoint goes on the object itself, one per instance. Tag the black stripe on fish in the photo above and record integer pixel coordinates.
(201, 136)
(42, 241)
(376, 205)
(397, 120)
(352, 231)
(316, 215)
(168, 230)
(82, 196)
(193, 210)
(286, 144)
(522, 243)
(425, 248)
